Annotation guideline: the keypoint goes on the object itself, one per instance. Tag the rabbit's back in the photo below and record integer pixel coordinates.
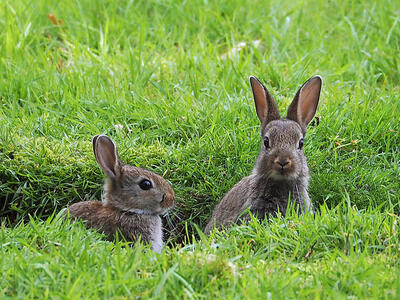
(111, 221)
(95, 215)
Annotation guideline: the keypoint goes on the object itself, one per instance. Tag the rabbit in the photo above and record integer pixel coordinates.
(133, 199)
(280, 173)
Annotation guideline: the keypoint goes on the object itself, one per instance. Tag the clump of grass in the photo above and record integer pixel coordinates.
(339, 252)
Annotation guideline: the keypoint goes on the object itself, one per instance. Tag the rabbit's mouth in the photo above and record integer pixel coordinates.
(167, 201)
(282, 173)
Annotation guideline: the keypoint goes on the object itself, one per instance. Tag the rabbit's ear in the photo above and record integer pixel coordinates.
(94, 144)
(266, 107)
(305, 103)
(106, 155)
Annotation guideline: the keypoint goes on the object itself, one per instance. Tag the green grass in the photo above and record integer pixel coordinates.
(150, 74)
(355, 254)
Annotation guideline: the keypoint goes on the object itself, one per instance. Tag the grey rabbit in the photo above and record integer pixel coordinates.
(133, 199)
(281, 171)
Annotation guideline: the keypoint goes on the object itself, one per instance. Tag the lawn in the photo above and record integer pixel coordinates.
(166, 80)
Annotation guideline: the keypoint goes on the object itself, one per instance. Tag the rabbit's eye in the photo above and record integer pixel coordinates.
(145, 184)
(266, 142)
(301, 143)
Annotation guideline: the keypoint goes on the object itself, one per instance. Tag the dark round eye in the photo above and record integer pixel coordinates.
(266, 142)
(145, 184)
(301, 143)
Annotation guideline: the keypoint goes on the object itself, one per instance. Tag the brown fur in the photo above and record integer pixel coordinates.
(126, 207)
(111, 221)
(281, 173)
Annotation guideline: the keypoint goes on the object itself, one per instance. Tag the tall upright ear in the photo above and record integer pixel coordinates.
(106, 155)
(305, 103)
(266, 107)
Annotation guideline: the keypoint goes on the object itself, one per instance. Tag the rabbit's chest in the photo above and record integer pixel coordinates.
(147, 228)
(274, 200)
(268, 206)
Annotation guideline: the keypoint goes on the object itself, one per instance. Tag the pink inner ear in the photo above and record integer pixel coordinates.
(261, 104)
(106, 156)
(309, 97)
(259, 99)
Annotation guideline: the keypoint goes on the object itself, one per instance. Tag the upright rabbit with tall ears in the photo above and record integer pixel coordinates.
(133, 199)
(281, 173)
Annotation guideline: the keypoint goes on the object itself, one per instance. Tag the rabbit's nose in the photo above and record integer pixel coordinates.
(283, 163)
(168, 200)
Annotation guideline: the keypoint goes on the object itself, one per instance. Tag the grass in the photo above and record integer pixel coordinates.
(152, 76)
(355, 254)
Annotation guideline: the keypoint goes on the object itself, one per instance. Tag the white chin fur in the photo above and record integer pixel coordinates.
(278, 176)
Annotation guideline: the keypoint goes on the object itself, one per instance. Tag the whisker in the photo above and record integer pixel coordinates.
(169, 222)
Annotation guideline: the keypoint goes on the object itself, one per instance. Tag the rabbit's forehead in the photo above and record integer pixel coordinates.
(283, 131)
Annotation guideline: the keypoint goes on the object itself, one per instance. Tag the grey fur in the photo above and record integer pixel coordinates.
(281, 173)
(126, 208)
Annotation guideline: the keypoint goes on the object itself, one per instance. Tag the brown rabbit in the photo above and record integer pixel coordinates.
(281, 172)
(133, 199)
